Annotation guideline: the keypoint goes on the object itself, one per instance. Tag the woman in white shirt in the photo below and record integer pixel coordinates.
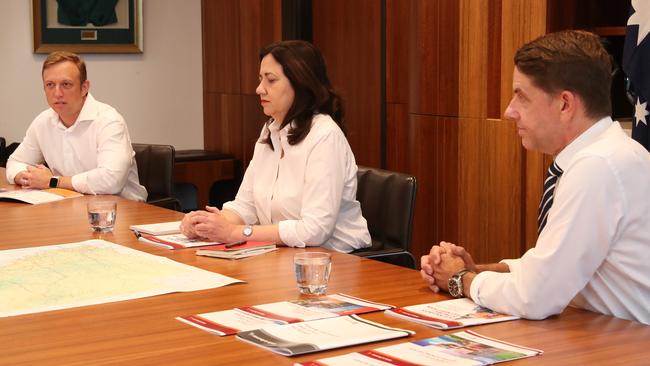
(300, 187)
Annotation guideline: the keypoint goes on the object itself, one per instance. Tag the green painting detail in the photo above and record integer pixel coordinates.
(82, 12)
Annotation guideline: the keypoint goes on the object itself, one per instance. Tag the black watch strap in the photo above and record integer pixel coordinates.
(54, 182)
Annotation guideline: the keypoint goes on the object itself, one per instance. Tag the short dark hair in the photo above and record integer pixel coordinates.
(570, 60)
(57, 57)
(304, 66)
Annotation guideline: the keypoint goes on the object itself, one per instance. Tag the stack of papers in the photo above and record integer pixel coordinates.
(174, 241)
(162, 228)
(167, 235)
(237, 250)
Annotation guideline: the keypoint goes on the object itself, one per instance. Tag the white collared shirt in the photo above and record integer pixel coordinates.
(310, 192)
(594, 252)
(95, 151)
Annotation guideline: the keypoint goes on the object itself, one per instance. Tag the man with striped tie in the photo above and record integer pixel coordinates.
(593, 248)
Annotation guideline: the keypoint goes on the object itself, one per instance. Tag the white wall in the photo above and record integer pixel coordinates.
(159, 92)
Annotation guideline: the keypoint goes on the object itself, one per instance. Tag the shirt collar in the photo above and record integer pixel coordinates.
(89, 110)
(274, 127)
(587, 137)
(88, 113)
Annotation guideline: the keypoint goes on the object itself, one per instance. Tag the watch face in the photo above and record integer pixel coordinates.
(248, 231)
(454, 287)
(54, 182)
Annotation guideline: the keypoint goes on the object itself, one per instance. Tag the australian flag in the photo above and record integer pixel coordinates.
(636, 65)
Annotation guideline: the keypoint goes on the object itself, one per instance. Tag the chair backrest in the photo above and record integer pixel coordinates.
(156, 169)
(3, 147)
(6, 151)
(387, 202)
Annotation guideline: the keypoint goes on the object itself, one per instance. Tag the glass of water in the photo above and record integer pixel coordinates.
(101, 215)
(312, 272)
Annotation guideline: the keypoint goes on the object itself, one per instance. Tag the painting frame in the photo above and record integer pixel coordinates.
(89, 38)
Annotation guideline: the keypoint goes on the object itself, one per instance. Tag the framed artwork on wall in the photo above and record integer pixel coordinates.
(87, 26)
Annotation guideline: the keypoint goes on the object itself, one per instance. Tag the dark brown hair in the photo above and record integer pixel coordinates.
(570, 60)
(304, 66)
(62, 56)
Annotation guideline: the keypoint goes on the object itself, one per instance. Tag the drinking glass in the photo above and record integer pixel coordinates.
(312, 272)
(101, 215)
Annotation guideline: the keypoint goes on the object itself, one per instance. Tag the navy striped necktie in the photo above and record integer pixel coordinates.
(554, 172)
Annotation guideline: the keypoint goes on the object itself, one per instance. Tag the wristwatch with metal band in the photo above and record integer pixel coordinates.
(248, 230)
(455, 284)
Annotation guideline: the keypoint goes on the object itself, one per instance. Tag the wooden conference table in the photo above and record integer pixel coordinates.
(144, 331)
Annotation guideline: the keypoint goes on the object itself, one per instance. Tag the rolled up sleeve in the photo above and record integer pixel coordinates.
(568, 252)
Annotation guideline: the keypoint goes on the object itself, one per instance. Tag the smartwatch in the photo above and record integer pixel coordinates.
(248, 231)
(54, 182)
(455, 284)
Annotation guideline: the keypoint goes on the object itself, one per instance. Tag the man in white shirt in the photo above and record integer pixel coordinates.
(85, 143)
(593, 250)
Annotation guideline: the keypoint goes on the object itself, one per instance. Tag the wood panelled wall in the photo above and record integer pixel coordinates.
(447, 69)
(426, 83)
(234, 31)
(351, 45)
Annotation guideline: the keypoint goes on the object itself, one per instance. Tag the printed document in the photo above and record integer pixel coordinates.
(449, 314)
(231, 321)
(91, 272)
(462, 349)
(319, 335)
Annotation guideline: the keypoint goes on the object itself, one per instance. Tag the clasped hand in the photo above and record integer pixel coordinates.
(34, 177)
(442, 262)
(210, 224)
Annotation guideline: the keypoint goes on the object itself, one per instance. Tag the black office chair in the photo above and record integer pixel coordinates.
(187, 195)
(156, 173)
(6, 151)
(387, 202)
(3, 147)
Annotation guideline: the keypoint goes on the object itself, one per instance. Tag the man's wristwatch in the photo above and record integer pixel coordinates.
(248, 230)
(455, 284)
(54, 182)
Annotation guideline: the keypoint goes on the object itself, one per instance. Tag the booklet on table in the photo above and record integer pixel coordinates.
(449, 314)
(174, 241)
(167, 235)
(318, 335)
(237, 250)
(160, 228)
(464, 348)
(228, 322)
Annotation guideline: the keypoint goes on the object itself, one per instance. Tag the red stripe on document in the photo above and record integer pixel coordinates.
(386, 358)
(413, 315)
(362, 310)
(160, 241)
(500, 341)
(364, 300)
(210, 325)
(255, 311)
